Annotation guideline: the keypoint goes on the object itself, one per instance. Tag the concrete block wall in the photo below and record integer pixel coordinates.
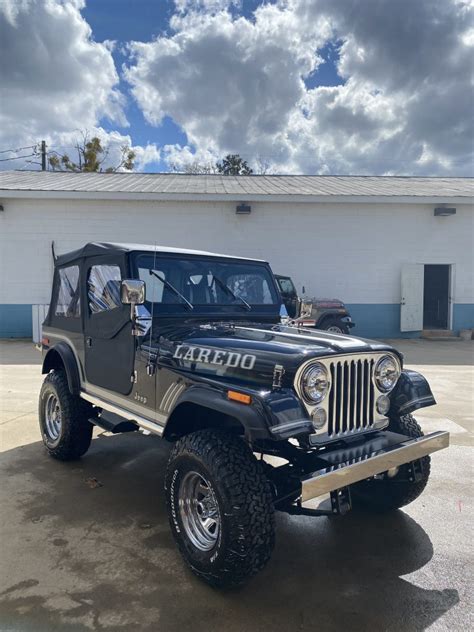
(353, 252)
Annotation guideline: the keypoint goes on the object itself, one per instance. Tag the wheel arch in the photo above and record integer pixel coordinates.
(199, 408)
(329, 316)
(62, 357)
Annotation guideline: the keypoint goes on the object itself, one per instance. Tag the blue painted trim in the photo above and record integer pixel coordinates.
(379, 320)
(463, 316)
(16, 321)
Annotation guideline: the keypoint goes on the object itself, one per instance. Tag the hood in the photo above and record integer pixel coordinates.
(247, 353)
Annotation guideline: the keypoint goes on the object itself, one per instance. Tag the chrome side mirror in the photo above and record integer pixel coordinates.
(132, 292)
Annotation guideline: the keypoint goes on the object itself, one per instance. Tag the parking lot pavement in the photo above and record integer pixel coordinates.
(86, 545)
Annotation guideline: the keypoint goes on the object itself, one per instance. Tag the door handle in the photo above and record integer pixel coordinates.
(88, 341)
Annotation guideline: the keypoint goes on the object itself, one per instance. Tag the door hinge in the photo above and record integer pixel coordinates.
(134, 378)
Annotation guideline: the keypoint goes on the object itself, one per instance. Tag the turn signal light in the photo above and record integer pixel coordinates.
(239, 397)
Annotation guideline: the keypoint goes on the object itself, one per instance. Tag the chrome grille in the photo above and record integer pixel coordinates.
(351, 398)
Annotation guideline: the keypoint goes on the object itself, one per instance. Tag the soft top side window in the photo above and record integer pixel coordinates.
(103, 288)
(68, 303)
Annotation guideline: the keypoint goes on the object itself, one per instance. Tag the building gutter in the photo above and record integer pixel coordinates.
(233, 197)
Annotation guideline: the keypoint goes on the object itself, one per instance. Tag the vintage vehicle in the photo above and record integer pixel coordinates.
(329, 314)
(189, 346)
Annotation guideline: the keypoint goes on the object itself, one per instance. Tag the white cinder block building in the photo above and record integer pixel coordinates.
(398, 251)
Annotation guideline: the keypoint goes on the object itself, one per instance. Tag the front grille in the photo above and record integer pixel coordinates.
(351, 398)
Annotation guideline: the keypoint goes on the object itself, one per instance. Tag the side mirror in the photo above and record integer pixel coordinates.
(132, 292)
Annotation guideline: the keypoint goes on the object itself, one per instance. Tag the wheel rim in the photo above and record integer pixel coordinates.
(335, 329)
(199, 511)
(52, 418)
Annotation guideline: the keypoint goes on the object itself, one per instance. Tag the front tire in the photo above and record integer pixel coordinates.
(63, 418)
(387, 494)
(335, 326)
(220, 507)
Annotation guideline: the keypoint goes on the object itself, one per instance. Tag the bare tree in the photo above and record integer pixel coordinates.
(194, 168)
(91, 156)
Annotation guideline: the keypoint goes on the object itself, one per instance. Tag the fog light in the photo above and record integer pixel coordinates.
(383, 404)
(319, 418)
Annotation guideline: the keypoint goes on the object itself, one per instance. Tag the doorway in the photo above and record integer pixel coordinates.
(436, 293)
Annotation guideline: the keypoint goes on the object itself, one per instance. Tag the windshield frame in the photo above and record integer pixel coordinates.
(233, 310)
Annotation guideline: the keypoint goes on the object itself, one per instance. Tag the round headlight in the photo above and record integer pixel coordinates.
(387, 373)
(315, 383)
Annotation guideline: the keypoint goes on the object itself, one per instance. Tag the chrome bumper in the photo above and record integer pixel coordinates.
(343, 474)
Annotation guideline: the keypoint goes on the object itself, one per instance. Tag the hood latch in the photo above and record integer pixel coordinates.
(278, 373)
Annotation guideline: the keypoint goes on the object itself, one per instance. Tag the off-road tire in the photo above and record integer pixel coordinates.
(75, 434)
(244, 500)
(388, 494)
(335, 322)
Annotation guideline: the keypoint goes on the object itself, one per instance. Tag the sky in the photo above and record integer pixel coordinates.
(293, 86)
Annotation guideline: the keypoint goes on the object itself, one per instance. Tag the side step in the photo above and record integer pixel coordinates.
(113, 423)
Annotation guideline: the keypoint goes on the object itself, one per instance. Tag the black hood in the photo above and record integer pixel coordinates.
(260, 347)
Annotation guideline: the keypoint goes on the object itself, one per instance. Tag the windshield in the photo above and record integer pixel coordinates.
(205, 282)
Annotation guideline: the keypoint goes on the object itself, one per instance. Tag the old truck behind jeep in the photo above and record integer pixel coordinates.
(189, 346)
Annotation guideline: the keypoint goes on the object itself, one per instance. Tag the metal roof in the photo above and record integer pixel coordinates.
(171, 186)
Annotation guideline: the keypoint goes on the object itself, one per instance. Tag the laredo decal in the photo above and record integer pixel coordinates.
(215, 356)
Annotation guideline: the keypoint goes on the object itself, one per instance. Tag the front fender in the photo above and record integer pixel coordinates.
(251, 417)
(411, 392)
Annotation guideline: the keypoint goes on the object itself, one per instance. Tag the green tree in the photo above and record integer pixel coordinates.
(91, 155)
(234, 165)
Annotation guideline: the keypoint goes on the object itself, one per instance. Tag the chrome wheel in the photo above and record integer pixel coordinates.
(335, 329)
(52, 418)
(199, 511)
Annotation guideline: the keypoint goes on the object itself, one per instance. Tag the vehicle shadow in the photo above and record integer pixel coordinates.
(89, 541)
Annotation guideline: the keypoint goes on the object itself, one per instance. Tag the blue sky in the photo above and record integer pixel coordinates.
(293, 86)
(146, 20)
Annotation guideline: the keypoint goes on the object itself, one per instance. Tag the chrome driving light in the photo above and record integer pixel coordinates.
(387, 372)
(318, 417)
(383, 404)
(315, 383)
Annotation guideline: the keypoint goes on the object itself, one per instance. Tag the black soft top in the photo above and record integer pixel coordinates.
(95, 249)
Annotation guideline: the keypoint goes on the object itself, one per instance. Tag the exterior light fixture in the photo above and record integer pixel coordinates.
(243, 209)
(444, 211)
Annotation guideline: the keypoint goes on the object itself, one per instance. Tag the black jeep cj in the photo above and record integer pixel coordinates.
(189, 345)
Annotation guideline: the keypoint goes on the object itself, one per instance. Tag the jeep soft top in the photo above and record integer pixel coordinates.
(188, 345)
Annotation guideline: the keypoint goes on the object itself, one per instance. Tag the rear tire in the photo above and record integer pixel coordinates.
(220, 507)
(387, 494)
(63, 418)
(335, 326)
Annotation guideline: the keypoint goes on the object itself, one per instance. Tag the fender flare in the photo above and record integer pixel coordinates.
(251, 417)
(70, 365)
(331, 314)
(411, 393)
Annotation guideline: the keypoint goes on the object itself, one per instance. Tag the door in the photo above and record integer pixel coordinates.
(411, 309)
(109, 346)
(289, 295)
(436, 297)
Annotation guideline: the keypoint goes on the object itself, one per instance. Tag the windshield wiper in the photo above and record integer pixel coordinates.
(228, 291)
(172, 288)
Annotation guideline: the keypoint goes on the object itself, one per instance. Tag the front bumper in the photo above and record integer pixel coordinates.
(350, 465)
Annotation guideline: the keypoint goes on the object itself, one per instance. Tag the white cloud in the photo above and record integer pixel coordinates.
(56, 81)
(238, 85)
